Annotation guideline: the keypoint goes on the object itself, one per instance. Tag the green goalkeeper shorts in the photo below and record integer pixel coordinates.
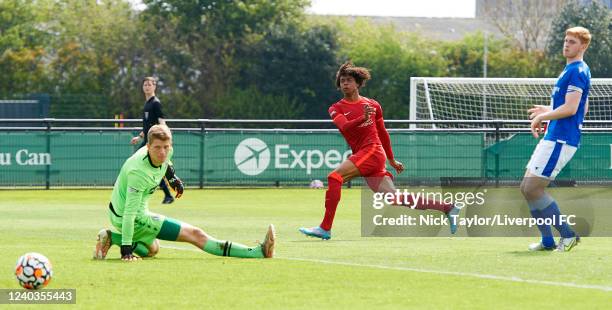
(150, 226)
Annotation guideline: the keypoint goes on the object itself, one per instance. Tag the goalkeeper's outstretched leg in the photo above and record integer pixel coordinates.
(208, 244)
(148, 244)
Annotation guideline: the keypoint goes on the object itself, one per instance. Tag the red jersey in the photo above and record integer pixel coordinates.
(358, 131)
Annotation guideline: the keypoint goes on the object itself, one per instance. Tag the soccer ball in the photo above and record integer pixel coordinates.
(33, 271)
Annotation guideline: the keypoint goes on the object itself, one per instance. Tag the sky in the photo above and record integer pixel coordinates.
(416, 8)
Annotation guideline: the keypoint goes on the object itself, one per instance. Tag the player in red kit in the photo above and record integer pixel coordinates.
(360, 121)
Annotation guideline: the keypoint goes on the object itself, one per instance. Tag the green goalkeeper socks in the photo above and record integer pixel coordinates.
(140, 248)
(212, 246)
(228, 248)
(115, 238)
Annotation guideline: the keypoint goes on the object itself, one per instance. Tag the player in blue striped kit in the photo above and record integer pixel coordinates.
(568, 107)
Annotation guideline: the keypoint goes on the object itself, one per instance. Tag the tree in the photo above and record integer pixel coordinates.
(393, 57)
(201, 39)
(526, 22)
(22, 47)
(595, 17)
(251, 103)
(76, 51)
(294, 61)
(90, 56)
(465, 58)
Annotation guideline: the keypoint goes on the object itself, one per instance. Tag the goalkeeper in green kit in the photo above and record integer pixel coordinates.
(140, 229)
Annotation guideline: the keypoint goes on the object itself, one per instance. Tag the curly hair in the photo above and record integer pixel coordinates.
(360, 74)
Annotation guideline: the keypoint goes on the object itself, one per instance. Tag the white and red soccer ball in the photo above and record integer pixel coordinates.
(33, 271)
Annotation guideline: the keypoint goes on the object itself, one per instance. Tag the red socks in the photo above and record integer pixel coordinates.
(332, 198)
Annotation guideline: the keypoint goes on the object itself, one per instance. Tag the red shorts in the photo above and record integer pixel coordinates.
(371, 161)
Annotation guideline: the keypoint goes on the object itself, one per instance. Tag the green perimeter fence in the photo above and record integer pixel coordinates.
(207, 154)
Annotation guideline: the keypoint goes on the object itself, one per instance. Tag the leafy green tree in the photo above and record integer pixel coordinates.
(465, 57)
(22, 47)
(251, 103)
(242, 59)
(91, 55)
(199, 48)
(504, 58)
(595, 17)
(296, 62)
(392, 57)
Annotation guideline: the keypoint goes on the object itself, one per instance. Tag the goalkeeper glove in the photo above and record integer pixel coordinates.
(175, 183)
(126, 253)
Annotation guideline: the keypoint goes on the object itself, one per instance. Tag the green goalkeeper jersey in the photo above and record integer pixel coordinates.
(137, 180)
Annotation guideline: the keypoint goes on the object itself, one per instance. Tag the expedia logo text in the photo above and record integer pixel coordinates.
(253, 156)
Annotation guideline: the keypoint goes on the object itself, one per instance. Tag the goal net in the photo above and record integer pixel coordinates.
(493, 98)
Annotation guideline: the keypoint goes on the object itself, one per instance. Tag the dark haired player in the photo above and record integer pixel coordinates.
(360, 121)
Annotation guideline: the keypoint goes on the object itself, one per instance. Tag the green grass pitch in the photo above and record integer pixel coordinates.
(346, 272)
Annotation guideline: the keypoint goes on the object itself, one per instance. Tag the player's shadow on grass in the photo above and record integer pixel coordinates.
(118, 260)
(526, 253)
(312, 240)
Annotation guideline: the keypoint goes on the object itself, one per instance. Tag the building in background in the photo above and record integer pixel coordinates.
(482, 6)
(527, 22)
(436, 28)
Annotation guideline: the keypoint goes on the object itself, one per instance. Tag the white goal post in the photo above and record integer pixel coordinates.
(442, 98)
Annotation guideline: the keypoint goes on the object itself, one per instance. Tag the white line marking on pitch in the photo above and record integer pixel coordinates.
(440, 272)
